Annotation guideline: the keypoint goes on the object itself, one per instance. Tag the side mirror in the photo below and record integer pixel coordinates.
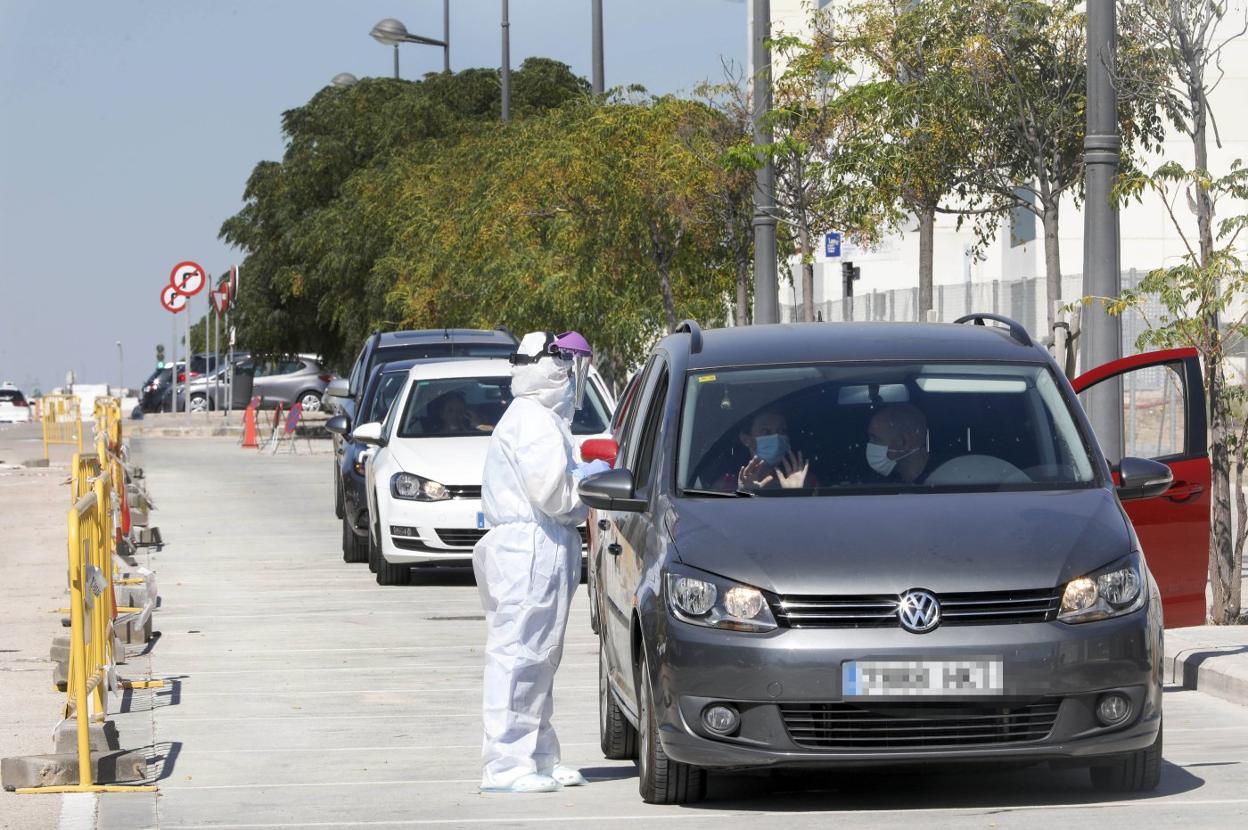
(1142, 478)
(369, 434)
(338, 388)
(338, 425)
(611, 490)
(600, 449)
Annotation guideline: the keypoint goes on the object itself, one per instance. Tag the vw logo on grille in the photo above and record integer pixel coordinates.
(918, 611)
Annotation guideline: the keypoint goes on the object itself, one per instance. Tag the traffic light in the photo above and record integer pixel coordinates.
(160, 356)
(849, 274)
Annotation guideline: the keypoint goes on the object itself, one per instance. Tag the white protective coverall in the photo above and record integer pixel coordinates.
(527, 567)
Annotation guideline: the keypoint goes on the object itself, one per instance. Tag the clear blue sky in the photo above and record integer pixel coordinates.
(130, 127)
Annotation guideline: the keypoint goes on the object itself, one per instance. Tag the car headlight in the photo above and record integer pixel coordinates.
(716, 602)
(1112, 591)
(415, 488)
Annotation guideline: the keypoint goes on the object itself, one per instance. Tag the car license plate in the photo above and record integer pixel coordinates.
(915, 678)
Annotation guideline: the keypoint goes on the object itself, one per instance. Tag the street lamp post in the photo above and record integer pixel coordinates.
(1102, 332)
(506, 68)
(766, 287)
(391, 32)
(599, 80)
(121, 371)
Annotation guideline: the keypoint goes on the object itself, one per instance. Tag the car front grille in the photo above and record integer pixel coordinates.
(880, 610)
(846, 726)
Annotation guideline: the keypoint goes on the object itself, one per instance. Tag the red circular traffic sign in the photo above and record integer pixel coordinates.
(188, 278)
(232, 286)
(172, 299)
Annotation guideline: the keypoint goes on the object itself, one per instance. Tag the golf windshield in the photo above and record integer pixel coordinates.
(828, 429)
(446, 407)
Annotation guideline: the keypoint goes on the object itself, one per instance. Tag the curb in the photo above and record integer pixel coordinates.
(1215, 668)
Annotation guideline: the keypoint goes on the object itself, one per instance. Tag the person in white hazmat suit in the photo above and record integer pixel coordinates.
(529, 564)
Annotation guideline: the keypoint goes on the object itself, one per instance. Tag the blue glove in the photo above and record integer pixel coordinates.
(589, 468)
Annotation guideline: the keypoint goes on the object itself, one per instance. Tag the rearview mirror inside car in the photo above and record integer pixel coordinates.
(369, 434)
(338, 388)
(338, 425)
(1142, 478)
(611, 490)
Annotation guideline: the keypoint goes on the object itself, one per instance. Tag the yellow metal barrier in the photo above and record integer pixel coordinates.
(62, 421)
(91, 625)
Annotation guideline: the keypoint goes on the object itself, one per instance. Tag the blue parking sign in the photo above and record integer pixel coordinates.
(832, 244)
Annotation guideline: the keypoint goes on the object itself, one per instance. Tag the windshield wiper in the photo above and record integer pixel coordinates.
(732, 494)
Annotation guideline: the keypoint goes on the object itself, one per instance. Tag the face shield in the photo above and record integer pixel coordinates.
(571, 346)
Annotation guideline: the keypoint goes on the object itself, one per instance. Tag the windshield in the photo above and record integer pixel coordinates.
(448, 407)
(822, 429)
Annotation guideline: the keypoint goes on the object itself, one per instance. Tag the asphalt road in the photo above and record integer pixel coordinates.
(303, 695)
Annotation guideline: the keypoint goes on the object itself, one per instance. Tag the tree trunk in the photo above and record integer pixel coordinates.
(808, 270)
(927, 239)
(1052, 260)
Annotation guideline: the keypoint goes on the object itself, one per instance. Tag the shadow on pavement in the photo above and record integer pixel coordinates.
(918, 789)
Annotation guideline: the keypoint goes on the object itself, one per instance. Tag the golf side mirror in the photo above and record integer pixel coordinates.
(338, 388)
(369, 434)
(338, 425)
(1142, 478)
(611, 490)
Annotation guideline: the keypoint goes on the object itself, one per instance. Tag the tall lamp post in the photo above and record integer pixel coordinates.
(599, 81)
(121, 372)
(766, 287)
(1101, 332)
(506, 61)
(391, 32)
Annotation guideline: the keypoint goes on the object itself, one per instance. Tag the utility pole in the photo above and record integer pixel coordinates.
(766, 287)
(506, 64)
(1102, 333)
(598, 83)
(446, 38)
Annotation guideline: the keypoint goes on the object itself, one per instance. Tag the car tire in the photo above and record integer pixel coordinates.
(387, 574)
(199, 403)
(340, 504)
(661, 780)
(311, 400)
(616, 735)
(354, 549)
(374, 552)
(594, 625)
(1134, 772)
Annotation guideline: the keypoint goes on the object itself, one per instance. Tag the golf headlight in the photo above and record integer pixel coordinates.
(1112, 591)
(415, 488)
(716, 602)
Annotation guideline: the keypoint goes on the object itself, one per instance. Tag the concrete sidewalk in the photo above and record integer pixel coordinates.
(1210, 658)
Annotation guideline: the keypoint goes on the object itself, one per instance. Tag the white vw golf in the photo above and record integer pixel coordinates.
(423, 476)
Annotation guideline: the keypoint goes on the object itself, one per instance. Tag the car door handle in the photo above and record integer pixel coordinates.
(1182, 491)
(615, 549)
(603, 524)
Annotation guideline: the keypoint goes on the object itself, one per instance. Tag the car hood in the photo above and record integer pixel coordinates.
(454, 461)
(946, 542)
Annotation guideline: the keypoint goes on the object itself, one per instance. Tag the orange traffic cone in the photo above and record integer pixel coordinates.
(249, 428)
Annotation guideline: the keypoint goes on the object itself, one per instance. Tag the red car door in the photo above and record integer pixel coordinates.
(1164, 419)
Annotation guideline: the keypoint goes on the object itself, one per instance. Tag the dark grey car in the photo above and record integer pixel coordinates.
(971, 592)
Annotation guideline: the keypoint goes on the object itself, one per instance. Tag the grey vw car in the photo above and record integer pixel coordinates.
(869, 544)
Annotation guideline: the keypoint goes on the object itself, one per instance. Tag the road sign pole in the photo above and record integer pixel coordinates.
(229, 366)
(216, 353)
(173, 366)
(186, 405)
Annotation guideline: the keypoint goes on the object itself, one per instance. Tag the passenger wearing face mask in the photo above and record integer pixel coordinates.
(772, 464)
(897, 443)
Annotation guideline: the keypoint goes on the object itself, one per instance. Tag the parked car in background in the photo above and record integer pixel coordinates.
(278, 380)
(423, 480)
(416, 344)
(383, 386)
(154, 396)
(13, 406)
(948, 573)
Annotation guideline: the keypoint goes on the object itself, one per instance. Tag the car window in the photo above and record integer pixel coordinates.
(11, 396)
(650, 431)
(289, 366)
(922, 427)
(627, 431)
(592, 418)
(388, 387)
(482, 349)
(1154, 410)
(355, 379)
(472, 406)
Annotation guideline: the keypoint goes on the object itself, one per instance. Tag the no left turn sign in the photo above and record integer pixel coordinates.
(188, 278)
(172, 299)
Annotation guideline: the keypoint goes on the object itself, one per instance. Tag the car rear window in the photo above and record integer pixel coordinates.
(447, 407)
(12, 396)
(943, 427)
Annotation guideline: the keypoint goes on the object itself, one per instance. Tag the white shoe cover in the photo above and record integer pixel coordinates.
(531, 783)
(568, 777)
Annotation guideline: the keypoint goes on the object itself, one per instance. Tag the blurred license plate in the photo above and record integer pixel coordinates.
(907, 678)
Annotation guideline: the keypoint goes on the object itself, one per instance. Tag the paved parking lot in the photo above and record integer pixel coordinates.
(304, 695)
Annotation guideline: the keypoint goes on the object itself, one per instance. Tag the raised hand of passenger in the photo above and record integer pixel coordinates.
(754, 475)
(792, 471)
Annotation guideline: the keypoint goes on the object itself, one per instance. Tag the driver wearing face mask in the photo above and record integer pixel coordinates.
(897, 443)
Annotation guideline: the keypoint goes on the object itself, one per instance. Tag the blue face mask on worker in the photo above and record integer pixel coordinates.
(771, 448)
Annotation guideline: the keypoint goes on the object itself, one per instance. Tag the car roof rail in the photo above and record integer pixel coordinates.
(1017, 330)
(695, 334)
